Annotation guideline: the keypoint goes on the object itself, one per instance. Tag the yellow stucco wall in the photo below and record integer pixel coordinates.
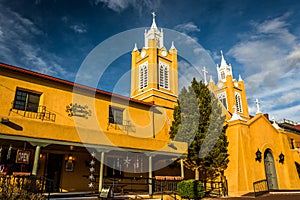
(148, 129)
(245, 138)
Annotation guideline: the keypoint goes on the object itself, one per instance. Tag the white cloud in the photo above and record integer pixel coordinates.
(271, 58)
(121, 5)
(116, 5)
(291, 112)
(187, 72)
(18, 46)
(79, 28)
(187, 27)
(293, 58)
(76, 27)
(288, 98)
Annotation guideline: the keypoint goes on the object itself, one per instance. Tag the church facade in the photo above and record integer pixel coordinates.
(66, 131)
(260, 150)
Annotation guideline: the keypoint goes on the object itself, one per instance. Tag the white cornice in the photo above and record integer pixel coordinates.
(154, 89)
(157, 96)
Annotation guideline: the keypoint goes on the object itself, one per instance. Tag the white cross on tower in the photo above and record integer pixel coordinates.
(257, 106)
(204, 75)
(153, 14)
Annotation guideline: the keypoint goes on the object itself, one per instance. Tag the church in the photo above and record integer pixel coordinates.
(65, 131)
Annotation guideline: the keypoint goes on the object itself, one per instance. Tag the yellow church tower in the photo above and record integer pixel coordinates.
(230, 92)
(154, 70)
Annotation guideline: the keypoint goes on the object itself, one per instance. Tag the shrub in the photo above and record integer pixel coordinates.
(191, 189)
(12, 188)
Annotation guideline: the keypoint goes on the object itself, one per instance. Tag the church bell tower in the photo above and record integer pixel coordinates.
(154, 70)
(230, 92)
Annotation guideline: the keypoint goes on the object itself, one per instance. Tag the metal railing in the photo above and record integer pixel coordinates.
(216, 188)
(41, 113)
(127, 184)
(166, 185)
(260, 187)
(124, 125)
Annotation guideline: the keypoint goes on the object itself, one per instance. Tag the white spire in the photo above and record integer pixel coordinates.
(204, 75)
(240, 78)
(224, 69)
(135, 47)
(173, 46)
(154, 34)
(153, 26)
(223, 61)
(257, 106)
(211, 79)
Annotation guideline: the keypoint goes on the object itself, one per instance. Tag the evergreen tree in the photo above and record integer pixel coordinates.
(198, 121)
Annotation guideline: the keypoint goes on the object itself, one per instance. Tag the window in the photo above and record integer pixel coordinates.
(143, 75)
(164, 75)
(238, 102)
(222, 98)
(222, 75)
(115, 115)
(27, 101)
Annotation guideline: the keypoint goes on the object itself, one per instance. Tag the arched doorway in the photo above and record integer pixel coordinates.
(270, 170)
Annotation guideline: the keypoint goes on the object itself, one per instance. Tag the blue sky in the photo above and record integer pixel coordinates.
(259, 38)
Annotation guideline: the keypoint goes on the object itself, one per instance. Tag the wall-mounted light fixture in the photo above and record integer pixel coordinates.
(281, 158)
(258, 155)
(70, 158)
(69, 163)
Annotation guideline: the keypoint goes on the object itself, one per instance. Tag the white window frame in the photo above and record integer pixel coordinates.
(238, 102)
(116, 115)
(222, 96)
(143, 75)
(164, 75)
(223, 75)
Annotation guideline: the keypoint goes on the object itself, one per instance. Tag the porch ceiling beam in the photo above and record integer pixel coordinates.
(45, 142)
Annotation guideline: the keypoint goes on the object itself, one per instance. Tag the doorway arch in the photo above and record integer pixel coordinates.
(270, 170)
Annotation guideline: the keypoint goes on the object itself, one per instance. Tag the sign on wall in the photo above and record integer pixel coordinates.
(78, 110)
(23, 156)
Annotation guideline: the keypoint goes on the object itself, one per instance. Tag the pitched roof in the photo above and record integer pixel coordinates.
(297, 127)
(69, 83)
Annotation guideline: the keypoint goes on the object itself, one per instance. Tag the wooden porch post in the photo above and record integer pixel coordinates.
(150, 176)
(182, 167)
(101, 171)
(36, 160)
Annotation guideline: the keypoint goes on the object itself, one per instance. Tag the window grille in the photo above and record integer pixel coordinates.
(115, 115)
(222, 98)
(164, 75)
(27, 101)
(143, 75)
(238, 102)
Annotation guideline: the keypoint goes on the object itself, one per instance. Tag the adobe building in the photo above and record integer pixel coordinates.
(259, 148)
(61, 130)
